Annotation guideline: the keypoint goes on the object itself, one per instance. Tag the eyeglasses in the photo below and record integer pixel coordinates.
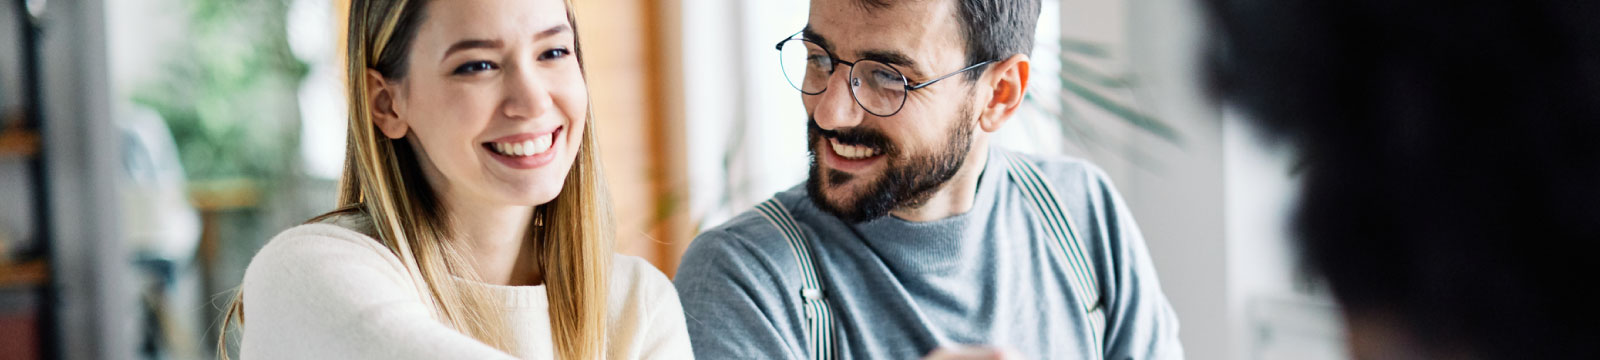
(880, 89)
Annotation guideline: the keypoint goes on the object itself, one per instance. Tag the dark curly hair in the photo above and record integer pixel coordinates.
(1449, 158)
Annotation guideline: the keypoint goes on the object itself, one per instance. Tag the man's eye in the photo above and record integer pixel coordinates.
(819, 61)
(474, 67)
(886, 77)
(554, 54)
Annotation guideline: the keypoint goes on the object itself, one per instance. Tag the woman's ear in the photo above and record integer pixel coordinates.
(1009, 79)
(381, 105)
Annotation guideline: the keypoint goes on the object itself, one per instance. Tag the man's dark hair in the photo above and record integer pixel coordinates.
(993, 29)
(1450, 159)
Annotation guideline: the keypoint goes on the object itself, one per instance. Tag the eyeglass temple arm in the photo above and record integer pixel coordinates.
(930, 82)
(779, 45)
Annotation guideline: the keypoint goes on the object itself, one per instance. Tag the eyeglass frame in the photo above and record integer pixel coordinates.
(904, 80)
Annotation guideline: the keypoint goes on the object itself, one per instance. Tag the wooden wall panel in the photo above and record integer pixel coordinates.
(631, 58)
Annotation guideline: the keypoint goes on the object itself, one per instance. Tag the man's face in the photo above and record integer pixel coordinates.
(863, 165)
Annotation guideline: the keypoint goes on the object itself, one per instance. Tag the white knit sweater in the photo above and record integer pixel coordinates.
(322, 291)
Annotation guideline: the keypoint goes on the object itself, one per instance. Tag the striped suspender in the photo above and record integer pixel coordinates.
(819, 319)
(1058, 225)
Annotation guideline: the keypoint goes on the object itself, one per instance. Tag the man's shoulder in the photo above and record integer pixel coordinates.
(750, 230)
(747, 244)
(1064, 173)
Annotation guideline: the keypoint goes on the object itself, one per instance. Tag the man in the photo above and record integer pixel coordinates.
(1449, 168)
(912, 234)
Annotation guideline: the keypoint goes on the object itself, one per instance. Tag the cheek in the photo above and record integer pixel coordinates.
(917, 132)
(572, 98)
(448, 146)
(936, 123)
(447, 119)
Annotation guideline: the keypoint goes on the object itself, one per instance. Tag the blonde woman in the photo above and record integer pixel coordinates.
(474, 223)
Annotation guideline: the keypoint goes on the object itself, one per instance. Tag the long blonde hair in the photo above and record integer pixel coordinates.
(571, 238)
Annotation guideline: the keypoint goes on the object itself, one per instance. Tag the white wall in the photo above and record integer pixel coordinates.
(736, 96)
(1177, 194)
(1275, 310)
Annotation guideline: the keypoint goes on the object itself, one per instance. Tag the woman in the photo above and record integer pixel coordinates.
(473, 222)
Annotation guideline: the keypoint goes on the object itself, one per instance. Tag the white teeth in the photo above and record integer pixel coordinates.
(526, 147)
(851, 151)
(541, 144)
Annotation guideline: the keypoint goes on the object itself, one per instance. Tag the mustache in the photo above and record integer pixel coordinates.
(857, 136)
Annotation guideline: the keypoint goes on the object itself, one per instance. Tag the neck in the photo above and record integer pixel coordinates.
(956, 196)
(497, 244)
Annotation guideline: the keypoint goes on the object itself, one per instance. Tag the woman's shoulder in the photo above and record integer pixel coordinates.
(633, 277)
(315, 241)
(638, 289)
(307, 251)
(646, 317)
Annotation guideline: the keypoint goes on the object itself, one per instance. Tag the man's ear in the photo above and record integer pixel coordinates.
(381, 106)
(1009, 79)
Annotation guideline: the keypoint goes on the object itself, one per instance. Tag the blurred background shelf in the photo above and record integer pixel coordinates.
(28, 293)
(18, 144)
(25, 274)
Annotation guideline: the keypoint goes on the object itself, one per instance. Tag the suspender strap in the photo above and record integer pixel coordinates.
(819, 319)
(1068, 245)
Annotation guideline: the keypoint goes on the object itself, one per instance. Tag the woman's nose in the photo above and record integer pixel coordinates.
(526, 94)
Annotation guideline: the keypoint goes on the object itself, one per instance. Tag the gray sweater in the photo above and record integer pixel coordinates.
(900, 289)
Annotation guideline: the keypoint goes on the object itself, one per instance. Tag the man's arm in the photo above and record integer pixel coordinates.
(1140, 321)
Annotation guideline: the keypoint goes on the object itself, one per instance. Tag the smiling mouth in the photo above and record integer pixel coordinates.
(530, 147)
(852, 152)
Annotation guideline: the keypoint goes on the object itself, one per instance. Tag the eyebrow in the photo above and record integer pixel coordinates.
(811, 35)
(471, 44)
(891, 57)
(496, 44)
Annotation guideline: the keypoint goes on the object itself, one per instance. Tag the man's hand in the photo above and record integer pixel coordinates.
(971, 353)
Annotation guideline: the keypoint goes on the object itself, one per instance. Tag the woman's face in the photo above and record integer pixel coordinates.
(494, 100)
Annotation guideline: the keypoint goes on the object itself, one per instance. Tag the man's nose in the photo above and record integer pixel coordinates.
(836, 108)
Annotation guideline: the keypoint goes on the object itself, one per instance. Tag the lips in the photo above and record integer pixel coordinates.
(848, 149)
(525, 150)
(847, 158)
(852, 152)
(530, 147)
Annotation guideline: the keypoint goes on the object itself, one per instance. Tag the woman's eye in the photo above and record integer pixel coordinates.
(474, 67)
(555, 53)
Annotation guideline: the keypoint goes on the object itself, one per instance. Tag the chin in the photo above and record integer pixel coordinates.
(540, 186)
(842, 195)
(534, 194)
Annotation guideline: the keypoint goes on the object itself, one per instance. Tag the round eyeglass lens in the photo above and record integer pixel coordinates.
(805, 65)
(880, 89)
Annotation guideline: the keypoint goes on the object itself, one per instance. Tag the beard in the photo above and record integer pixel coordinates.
(908, 180)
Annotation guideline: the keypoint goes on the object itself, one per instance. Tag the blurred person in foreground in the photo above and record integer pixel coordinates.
(473, 219)
(914, 235)
(1449, 163)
